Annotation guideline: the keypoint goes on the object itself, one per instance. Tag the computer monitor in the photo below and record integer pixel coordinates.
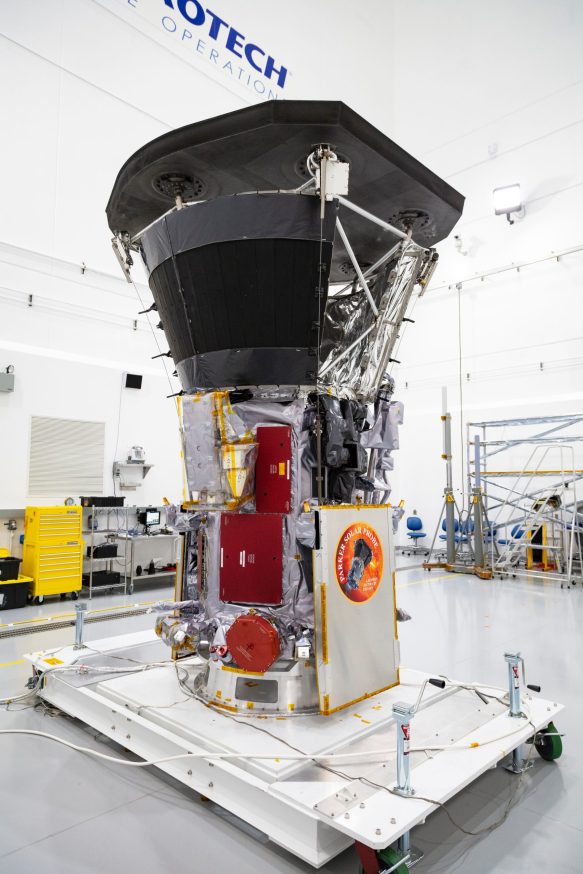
(149, 516)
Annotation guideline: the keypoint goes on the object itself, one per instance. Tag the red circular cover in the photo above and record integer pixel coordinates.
(253, 642)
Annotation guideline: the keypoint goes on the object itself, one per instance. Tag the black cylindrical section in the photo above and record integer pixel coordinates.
(239, 283)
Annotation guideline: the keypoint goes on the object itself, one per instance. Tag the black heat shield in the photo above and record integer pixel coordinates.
(236, 275)
(265, 147)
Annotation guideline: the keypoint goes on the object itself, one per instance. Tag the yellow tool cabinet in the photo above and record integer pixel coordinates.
(53, 550)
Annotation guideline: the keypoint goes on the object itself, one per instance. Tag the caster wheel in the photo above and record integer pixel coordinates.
(131, 589)
(39, 600)
(550, 746)
(62, 596)
(29, 598)
(74, 596)
(389, 857)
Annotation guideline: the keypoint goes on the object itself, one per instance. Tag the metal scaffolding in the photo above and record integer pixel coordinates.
(542, 522)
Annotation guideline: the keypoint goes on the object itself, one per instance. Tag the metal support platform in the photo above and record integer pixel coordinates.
(316, 803)
(464, 544)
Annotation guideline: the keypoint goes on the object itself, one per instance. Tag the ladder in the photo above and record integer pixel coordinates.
(511, 555)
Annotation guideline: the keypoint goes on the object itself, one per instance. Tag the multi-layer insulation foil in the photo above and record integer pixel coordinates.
(247, 223)
(223, 435)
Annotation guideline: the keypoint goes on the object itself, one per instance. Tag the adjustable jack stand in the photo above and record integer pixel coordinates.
(80, 610)
(403, 714)
(518, 765)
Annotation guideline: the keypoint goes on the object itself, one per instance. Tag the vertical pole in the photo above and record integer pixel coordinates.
(477, 462)
(404, 843)
(493, 551)
(468, 464)
(477, 506)
(448, 492)
(483, 464)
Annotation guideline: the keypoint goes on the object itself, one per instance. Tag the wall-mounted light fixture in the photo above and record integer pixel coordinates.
(508, 201)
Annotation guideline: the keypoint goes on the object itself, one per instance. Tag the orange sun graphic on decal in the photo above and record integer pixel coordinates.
(359, 562)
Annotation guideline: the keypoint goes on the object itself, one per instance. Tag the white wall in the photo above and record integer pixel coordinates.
(96, 394)
(84, 84)
(502, 91)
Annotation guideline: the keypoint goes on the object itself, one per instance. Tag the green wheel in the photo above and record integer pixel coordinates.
(390, 857)
(550, 746)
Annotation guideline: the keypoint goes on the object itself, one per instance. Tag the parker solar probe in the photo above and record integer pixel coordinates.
(283, 244)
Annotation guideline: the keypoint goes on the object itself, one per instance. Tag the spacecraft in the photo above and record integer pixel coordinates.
(284, 245)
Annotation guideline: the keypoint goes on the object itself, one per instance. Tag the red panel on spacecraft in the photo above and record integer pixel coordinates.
(251, 558)
(273, 469)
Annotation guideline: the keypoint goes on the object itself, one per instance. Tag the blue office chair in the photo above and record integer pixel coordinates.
(414, 529)
(515, 534)
(415, 534)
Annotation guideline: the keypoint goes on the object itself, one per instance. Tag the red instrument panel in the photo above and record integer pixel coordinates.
(251, 558)
(273, 469)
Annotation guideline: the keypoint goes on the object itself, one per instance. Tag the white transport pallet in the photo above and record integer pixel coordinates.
(313, 813)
